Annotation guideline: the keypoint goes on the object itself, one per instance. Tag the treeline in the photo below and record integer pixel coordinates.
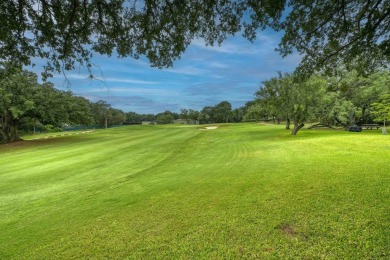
(26, 105)
(220, 113)
(345, 99)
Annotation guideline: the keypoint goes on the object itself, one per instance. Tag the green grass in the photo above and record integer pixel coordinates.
(240, 191)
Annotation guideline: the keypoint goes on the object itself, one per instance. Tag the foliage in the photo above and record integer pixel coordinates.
(257, 111)
(238, 114)
(305, 99)
(381, 109)
(335, 109)
(223, 112)
(189, 114)
(23, 97)
(17, 89)
(67, 33)
(331, 33)
(344, 99)
(361, 91)
(276, 96)
(296, 100)
(166, 117)
(105, 115)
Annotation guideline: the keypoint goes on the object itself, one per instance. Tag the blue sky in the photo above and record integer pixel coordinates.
(203, 76)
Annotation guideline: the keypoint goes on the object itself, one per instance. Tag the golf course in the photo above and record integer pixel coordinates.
(224, 191)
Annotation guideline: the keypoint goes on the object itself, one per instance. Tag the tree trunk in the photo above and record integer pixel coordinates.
(363, 114)
(297, 127)
(105, 122)
(287, 123)
(8, 129)
(3, 137)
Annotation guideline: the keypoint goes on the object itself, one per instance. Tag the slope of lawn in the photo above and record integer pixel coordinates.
(239, 191)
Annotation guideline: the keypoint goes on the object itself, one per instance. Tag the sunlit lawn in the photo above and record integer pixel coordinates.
(239, 191)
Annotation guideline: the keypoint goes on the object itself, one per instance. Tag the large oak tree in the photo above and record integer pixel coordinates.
(21, 97)
(66, 33)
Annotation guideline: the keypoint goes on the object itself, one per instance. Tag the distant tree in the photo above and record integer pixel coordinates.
(256, 111)
(223, 112)
(115, 116)
(193, 114)
(79, 110)
(99, 111)
(164, 118)
(184, 113)
(238, 114)
(189, 114)
(148, 117)
(133, 117)
(105, 115)
(207, 115)
(381, 109)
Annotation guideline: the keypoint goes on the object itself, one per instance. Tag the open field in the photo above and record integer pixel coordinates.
(238, 191)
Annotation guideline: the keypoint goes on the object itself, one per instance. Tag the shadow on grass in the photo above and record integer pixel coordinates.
(26, 144)
(281, 134)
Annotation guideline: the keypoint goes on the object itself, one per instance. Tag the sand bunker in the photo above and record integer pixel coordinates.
(209, 128)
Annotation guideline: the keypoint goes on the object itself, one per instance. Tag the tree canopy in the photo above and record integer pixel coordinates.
(66, 33)
(22, 97)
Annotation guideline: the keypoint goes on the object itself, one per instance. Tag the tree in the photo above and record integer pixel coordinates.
(256, 111)
(306, 97)
(276, 96)
(207, 115)
(223, 112)
(100, 112)
(193, 114)
(17, 89)
(133, 117)
(362, 91)
(328, 33)
(22, 98)
(166, 117)
(79, 110)
(238, 114)
(381, 109)
(67, 33)
(184, 113)
(298, 100)
(115, 116)
(335, 109)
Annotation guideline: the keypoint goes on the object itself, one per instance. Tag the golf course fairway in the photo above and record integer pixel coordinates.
(226, 191)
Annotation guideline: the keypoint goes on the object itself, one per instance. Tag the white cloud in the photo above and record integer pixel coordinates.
(113, 79)
(187, 70)
(132, 90)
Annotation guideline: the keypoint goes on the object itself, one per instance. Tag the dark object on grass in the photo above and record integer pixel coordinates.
(354, 128)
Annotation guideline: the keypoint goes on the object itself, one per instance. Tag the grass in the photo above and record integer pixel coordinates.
(239, 191)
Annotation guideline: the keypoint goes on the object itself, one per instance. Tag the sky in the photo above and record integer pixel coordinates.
(204, 76)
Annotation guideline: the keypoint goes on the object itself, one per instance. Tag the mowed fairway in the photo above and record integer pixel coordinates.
(239, 191)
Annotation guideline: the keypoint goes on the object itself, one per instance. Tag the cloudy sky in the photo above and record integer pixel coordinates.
(203, 76)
